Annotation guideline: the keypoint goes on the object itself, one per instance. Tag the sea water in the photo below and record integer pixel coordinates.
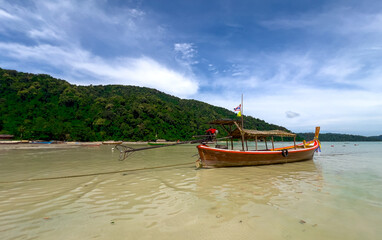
(87, 193)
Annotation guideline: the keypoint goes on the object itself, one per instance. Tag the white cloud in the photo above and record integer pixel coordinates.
(348, 111)
(290, 114)
(339, 69)
(141, 71)
(339, 90)
(75, 22)
(57, 42)
(287, 23)
(187, 53)
(187, 49)
(43, 34)
(329, 73)
(6, 15)
(212, 68)
(335, 20)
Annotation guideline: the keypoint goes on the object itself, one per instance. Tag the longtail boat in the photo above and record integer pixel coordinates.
(227, 156)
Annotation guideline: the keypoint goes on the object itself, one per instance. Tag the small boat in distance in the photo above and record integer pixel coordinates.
(41, 142)
(111, 142)
(227, 156)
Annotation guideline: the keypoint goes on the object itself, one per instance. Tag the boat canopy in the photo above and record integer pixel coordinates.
(249, 134)
(252, 134)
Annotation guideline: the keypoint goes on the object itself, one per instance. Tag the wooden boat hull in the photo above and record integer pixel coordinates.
(214, 157)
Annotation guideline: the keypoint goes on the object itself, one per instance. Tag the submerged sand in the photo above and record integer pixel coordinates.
(328, 198)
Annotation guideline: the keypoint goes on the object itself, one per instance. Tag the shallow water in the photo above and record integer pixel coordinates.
(338, 195)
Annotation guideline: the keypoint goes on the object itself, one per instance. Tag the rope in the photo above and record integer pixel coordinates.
(95, 174)
(125, 151)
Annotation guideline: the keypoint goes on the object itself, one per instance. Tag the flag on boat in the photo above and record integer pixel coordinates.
(319, 147)
(238, 108)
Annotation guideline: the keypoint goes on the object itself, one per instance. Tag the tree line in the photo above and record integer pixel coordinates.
(336, 137)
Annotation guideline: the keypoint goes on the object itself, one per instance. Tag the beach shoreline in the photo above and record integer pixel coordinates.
(49, 145)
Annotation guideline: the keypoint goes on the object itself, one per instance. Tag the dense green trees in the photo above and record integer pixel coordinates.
(336, 137)
(41, 107)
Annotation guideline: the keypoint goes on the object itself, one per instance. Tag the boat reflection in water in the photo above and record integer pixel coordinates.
(271, 185)
(271, 200)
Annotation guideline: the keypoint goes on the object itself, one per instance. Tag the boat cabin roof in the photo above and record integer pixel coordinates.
(252, 134)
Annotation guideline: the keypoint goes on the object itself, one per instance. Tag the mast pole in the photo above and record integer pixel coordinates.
(242, 122)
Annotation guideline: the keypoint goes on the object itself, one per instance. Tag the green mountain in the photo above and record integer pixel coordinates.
(38, 106)
(336, 137)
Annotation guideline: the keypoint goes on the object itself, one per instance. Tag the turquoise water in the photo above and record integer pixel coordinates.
(338, 195)
(352, 177)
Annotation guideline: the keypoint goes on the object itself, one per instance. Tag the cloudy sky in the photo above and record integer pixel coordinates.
(298, 63)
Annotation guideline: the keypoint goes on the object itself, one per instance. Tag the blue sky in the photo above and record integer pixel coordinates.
(298, 63)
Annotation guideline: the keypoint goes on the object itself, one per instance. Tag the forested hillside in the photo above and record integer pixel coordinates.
(42, 107)
(378, 137)
(336, 137)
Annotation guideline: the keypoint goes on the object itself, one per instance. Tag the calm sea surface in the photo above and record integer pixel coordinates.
(338, 195)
